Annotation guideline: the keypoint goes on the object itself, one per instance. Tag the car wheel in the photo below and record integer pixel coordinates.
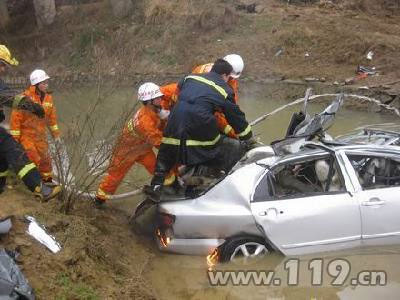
(244, 250)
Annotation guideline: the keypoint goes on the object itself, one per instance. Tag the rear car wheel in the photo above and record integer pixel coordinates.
(244, 250)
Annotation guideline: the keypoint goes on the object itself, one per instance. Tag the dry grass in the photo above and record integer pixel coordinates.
(170, 37)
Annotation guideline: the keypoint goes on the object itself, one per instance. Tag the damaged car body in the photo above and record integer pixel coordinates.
(294, 197)
(319, 199)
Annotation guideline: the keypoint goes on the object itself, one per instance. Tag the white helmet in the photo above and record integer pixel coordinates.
(148, 91)
(237, 64)
(38, 76)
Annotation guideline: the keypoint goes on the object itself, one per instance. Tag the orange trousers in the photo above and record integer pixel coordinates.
(38, 153)
(118, 168)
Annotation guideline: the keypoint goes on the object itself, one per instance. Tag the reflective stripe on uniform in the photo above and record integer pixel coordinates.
(227, 129)
(46, 174)
(170, 180)
(101, 194)
(46, 104)
(206, 68)
(245, 132)
(26, 169)
(209, 82)
(15, 132)
(177, 142)
(131, 128)
(4, 174)
(130, 125)
(17, 100)
(54, 127)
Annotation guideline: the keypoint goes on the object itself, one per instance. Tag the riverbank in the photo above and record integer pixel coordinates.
(101, 258)
(319, 40)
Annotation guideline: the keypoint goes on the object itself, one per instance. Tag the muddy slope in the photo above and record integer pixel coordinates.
(101, 257)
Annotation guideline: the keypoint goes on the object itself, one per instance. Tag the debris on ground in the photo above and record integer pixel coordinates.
(370, 55)
(361, 70)
(5, 225)
(38, 232)
(279, 52)
(13, 284)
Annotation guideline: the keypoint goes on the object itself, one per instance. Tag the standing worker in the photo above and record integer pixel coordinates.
(191, 136)
(30, 130)
(135, 145)
(12, 154)
(237, 64)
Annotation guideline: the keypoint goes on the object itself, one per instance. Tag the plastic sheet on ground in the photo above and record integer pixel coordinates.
(5, 225)
(13, 284)
(39, 233)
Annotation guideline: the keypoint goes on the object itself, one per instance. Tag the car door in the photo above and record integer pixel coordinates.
(379, 177)
(308, 222)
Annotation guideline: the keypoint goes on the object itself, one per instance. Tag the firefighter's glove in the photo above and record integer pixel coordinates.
(250, 143)
(25, 103)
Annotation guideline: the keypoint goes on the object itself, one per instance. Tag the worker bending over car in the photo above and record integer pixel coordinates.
(237, 64)
(191, 136)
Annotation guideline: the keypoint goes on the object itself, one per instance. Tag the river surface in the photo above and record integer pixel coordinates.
(185, 277)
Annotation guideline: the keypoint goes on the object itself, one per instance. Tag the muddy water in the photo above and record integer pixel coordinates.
(185, 277)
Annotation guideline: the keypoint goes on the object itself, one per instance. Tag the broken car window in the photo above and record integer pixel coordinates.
(300, 179)
(375, 172)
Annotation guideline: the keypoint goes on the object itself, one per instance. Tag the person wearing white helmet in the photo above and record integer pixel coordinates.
(135, 145)
(12, 154)
(31, 131)
(237, 64)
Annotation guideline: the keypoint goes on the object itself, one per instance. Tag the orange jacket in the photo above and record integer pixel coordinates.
(144, 130)
(171, 92)
(222, 123)
(30, 126)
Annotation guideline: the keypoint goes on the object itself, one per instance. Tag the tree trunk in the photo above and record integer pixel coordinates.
(4, 16)
(45, 11)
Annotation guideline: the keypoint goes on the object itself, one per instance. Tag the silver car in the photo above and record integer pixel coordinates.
(371, 135)
(322, 198)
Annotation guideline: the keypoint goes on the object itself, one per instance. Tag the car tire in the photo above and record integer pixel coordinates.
(243, 250)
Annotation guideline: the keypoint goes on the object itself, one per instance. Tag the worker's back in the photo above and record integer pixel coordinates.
(193, 115)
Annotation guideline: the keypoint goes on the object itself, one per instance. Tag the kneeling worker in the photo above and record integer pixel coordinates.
(135, 145)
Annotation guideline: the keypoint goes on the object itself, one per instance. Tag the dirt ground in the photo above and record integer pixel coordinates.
(102, 258)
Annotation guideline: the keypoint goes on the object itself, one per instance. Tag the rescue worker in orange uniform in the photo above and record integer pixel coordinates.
(30, 130)
(139, 136)
(12, 154)
(237, 64)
